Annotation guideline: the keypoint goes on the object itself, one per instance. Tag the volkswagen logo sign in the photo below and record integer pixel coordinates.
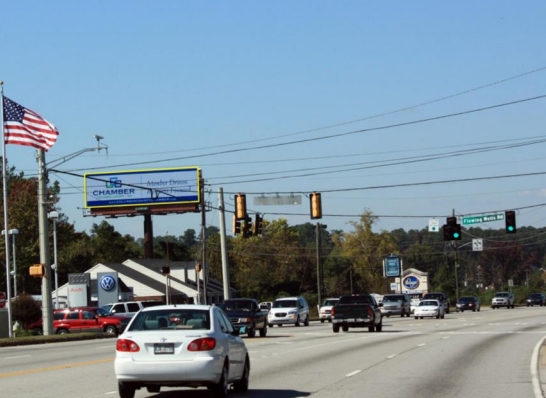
(107, 283)
(411, 282)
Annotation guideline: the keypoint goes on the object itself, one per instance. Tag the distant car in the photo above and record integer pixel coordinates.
(470, 303)
(289, 310)
(325, 311)
(87, 319)
(429, 308)
(441, 296)
(182, 345)
(536, 299)
(414, 302)
(266, 305)
(396, 304)
(503, 299)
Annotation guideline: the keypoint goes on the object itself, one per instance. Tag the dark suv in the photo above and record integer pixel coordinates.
(442, 297)
(536, 299)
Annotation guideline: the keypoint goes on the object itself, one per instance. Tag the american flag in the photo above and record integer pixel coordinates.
(25, 127)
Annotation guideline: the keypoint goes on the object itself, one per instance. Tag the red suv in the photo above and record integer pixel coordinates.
(87, 319)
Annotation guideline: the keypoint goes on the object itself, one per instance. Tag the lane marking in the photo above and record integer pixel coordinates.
(535, 376)
(51, 368)
(391, 356)
(19, 356)
(421, 345)
(353, 373)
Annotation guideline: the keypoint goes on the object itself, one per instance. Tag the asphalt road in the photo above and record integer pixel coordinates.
(493, 353)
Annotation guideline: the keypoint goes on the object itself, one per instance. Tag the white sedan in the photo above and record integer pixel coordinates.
(181, 346)
(431, 308)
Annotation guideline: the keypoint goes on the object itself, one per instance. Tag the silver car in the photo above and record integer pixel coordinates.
(396, 304)
(503, 299)
(179, 346)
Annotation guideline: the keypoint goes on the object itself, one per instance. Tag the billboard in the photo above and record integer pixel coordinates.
(142, 187)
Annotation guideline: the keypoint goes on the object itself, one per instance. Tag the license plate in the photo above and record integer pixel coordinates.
(161, 349)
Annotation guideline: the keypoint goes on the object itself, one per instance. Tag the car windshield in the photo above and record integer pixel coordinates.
(106, 308)
(536, 295)
(171, 319)
(501, 295)
(392, 299)
(101, 312)
(330, 302)
(428, 302)
(285, 304)
(236, 305)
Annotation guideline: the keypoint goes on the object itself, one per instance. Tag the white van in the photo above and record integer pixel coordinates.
(289, 310)
(128, 308)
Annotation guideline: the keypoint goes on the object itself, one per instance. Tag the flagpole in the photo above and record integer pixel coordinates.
(6, 224)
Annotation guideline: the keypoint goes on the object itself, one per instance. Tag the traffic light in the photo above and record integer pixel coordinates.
(510, 219)
(452, 230)
(236, 225)
(316, 205)
(240, 206)
(257, 224)
(247, 227)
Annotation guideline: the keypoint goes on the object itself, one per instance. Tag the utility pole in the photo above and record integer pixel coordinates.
(44, 244)
(225, 265)
(204, 241)
(319, 265)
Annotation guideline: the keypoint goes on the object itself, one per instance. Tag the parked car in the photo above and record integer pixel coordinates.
(536, 299)
(441, 296)
(396, 304)
(289, 311)
(429, 308)
(128, 308)
(182, 345)
(246, 316)
(503, 299)
(87, 319)
(325, 310)
(471, 303)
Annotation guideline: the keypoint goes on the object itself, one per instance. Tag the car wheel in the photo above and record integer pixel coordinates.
(270, 325)
(242, 385)
(330, 320)
(403, 313)
(62, 331)
(220, 390)
(306, 323)
(280, 324)
(335, 328)
(345, 328)
(111, 330)
(298, 321)
(421, 317)
(263, 332)
(416, 317)
(251, 331)
(126, 390)
(153, 389)
(438, 316)
(321, 320)
(443, 315)
(379, 328)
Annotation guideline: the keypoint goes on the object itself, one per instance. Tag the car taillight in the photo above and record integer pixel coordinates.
(333, 311)
(204, 344)
(370, 312)
(124, 345)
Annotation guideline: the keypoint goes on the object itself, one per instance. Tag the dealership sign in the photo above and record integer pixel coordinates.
(142, 187)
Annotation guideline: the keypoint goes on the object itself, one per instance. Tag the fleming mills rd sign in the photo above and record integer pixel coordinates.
(484, 218)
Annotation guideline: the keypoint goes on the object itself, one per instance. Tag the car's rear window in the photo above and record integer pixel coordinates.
(171, 319)
(501, 295)
(355, 300)
(393, 298)
(330, 302)
(232, 305)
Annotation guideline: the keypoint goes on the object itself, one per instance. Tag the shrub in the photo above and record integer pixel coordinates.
(26, 310)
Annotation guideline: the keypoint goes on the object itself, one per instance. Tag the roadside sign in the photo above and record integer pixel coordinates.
(477, 245)
(484, 218)
(391, 266)
(2, 300)
(433, 225)
(394, 286)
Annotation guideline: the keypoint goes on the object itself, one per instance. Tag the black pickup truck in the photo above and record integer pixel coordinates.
(246, 316)
(357, 311)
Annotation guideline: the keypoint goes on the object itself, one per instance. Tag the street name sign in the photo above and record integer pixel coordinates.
(484, 218)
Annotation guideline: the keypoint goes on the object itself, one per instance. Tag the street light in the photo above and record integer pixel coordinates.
(54, 215)
(13, 232)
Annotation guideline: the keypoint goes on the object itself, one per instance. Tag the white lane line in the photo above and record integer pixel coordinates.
(535, 377)
(353, 373)
(445, 337)
(421, 345)
(391, 356)
(19, 356)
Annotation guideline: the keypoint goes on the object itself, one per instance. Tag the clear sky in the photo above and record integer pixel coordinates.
(347, 98)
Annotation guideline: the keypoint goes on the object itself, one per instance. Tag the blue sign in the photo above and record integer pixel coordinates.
(411, 282)
(107, 283)
(391, 266)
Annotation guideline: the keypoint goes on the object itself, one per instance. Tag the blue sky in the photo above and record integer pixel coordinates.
(291, 97)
